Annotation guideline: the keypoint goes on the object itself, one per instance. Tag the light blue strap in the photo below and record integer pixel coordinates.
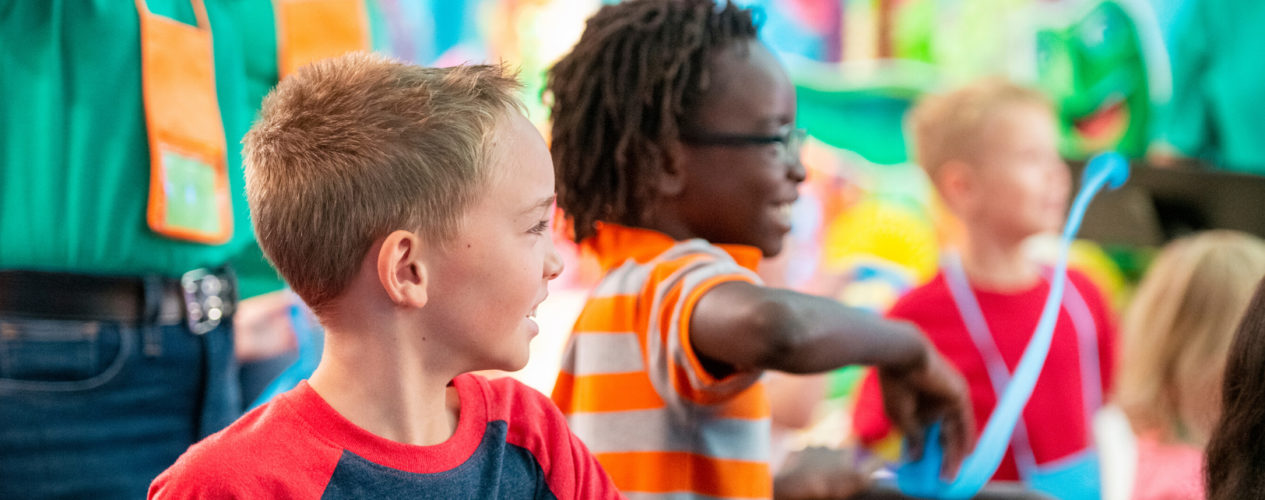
(982, 336)
(976, 326)
(921, 478)
(1087, 338)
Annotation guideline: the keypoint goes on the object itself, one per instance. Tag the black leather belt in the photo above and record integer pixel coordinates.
(201, 298)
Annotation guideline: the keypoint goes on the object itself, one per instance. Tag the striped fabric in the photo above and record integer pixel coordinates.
(634, 391)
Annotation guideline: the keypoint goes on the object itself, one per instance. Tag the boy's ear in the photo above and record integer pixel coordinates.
(671, 180)
(401, 270)
(956, 183)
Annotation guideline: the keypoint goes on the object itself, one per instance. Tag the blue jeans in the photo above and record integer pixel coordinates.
(93, 409)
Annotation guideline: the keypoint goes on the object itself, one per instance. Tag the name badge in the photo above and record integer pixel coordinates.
(188, 185)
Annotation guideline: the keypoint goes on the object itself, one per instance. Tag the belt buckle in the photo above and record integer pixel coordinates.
(208, 299)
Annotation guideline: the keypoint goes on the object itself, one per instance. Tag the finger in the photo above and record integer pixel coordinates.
(914, 441)
(951, 441)
(959, 440)
(901, 416)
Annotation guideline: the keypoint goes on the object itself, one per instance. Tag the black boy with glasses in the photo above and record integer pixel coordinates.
(677, 162)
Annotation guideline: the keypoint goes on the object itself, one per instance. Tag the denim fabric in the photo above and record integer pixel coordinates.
(97, 409)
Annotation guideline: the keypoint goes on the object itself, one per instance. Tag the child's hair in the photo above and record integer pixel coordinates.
(347, 150)
(619, 96)
(951, 126)
(1234, 462)
(1178, 329)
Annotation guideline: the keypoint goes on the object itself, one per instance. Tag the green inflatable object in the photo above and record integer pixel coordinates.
(1096, 70)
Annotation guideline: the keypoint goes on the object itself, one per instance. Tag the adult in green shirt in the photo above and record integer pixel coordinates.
(1216, 114)
(109, 370)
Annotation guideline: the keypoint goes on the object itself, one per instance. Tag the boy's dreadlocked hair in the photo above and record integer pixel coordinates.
(620, 95)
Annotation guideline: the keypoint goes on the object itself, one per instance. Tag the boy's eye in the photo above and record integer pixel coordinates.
(540, 227)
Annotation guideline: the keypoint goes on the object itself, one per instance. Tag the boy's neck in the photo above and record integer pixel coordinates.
(667, 224)
(380, 387)
(997, 264)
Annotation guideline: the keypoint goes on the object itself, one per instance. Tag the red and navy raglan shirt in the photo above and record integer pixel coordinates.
(510, 442)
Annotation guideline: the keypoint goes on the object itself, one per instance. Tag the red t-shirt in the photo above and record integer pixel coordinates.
(510, 442)
(1055, 415)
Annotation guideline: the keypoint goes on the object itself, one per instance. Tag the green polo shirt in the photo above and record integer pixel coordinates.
(74, 160)
(1217, 113)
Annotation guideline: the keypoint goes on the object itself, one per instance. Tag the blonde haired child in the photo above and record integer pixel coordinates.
(990, 149)
(1176, 336)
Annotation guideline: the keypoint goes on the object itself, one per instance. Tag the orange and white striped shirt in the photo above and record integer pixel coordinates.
(633, 389)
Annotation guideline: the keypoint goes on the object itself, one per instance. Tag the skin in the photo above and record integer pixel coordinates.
(1016, 188)
(822, 474)
(733, 194)
(419, 312)
(728, 194)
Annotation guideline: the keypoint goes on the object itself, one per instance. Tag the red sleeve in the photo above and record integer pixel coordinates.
(245, 461)
(216, 475)
(178, 482)
(536, 425)
(869, 420)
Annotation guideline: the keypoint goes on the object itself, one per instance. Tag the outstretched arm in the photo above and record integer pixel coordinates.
(740, 326)
(746, 327)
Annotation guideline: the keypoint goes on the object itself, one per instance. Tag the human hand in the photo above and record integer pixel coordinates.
(818, 473)
(916, 397)
(262, 327)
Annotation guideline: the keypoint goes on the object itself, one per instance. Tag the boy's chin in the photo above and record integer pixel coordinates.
(513, 363)
(1052, 228)
(772, 249)
(510, 367)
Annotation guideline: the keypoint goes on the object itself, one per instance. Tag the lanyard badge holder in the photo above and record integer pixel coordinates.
(188, 185)
(921, 478)
(310, 30)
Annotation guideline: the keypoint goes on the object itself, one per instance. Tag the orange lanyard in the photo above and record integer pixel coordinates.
(188, 188)
(309, 30)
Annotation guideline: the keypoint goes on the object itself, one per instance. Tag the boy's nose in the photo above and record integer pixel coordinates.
(797, 172)
(553, 262)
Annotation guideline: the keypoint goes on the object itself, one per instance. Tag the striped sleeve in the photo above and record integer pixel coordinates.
(688, 276)
(634, 391)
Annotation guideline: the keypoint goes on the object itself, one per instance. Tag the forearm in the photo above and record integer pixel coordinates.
(819, 334)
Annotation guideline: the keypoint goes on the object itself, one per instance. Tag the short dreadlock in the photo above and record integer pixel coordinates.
(619, 97)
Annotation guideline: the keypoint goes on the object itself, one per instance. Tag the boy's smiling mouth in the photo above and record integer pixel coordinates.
(532, 313)
(782, 213)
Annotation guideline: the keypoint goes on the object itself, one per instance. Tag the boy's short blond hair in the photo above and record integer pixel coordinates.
(348, 149)
(1178, 330)
(951, 126)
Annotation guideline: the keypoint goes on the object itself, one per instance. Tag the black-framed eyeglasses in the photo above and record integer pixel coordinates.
(789, 143)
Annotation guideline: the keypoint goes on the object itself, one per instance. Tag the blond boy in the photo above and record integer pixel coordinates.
(409, 208)
(991, 150)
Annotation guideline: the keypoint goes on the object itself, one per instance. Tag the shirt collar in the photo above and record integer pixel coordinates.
(614, 244)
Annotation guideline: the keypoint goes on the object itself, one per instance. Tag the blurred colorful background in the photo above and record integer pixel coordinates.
(867, 225)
